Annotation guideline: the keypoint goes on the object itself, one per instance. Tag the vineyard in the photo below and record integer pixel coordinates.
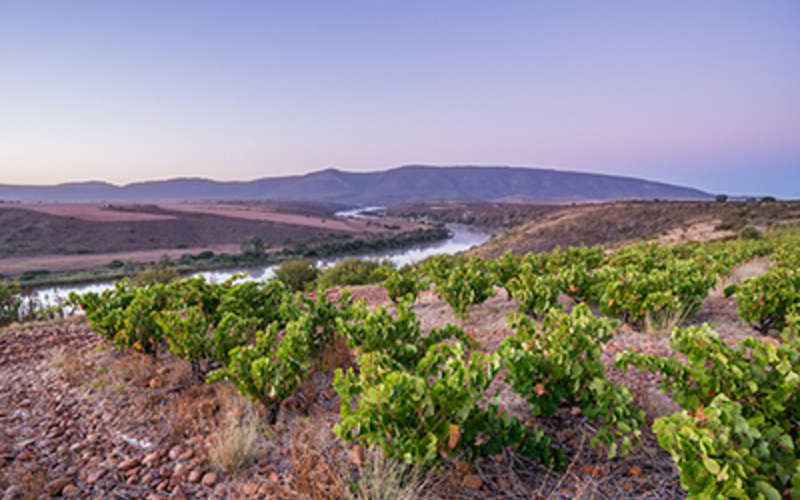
(431, 397)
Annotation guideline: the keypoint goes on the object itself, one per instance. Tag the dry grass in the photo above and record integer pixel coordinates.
(233, 446)
(661, 324)
(71, 363)
(380, 478)
(338, 355)
(750, 269)
(32, 481)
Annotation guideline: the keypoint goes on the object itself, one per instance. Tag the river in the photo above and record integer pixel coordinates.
(464, 237)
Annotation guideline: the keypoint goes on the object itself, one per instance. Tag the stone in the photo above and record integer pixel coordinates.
(165, 471)
(575, 411)
(156, 496)
(129, 464)
(195, 476)
(175, 452)
(152, 458)
(14, 493)
(70, 490)
(274, 477)
(186, 455)
(250, 488)
(54, 487)
(358, 455)
(472, 482)
(96, 476)
(210, 479)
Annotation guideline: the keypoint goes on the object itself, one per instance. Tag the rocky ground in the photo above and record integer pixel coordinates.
(78, 419)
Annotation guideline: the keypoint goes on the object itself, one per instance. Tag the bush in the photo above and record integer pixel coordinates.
(750, 233)
(463, 286)
(32, 274)
(405, 284)
(115, 264)
(10, 303)
(765, 301)
(737, 436)
(355, 272)
(299, 275)
(252, 246)
(561, 362)
(431, 410)
(154, 275)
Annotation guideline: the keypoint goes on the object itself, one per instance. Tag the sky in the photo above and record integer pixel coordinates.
(702, 94)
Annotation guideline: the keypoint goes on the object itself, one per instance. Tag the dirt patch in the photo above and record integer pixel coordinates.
(93, 212)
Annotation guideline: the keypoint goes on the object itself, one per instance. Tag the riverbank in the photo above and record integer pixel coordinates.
(188, 263)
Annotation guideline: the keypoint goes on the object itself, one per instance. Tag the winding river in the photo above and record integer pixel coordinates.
(464, 237)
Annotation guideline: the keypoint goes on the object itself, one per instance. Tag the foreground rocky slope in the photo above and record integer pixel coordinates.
(78, 419)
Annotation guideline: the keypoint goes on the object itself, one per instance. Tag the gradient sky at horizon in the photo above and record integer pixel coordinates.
(703, 94)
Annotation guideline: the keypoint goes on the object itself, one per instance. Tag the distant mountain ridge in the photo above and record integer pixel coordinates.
(403, 184)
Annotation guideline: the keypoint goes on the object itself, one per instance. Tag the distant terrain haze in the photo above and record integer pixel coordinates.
(404, 184)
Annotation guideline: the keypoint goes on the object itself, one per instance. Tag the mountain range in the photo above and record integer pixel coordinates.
(403, 184)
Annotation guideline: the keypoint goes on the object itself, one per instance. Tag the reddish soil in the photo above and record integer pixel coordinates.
(82, 420)
(63, 237)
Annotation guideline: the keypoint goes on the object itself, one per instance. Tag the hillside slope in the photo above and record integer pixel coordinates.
(404, 184)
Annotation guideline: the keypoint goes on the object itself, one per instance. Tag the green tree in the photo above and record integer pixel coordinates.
(252, 246)
(298, 275)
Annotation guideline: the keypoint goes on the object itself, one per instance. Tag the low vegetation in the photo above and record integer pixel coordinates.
(429, 397)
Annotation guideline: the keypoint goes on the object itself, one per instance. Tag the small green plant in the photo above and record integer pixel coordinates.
(355, 272)
(465, 286)
(10, 303)
(750, 233)
(737, 436)
(561, 362)
(299, 275)
(405, 284)
(431, 411)
(765, 301)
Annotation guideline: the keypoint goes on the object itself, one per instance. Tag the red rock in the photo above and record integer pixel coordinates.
(156, 496)
(70, 490)
(635, 471)
(357, 455)
(210, 479)
(575, 411)
(129, 464)
(54, 487)
(96, 476)
(472, 482)
(175, 452)
(195, 476)
(274, 477)
(250, 489)
(186, 455)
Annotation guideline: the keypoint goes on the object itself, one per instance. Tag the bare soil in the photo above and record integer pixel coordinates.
(540, 228)
(64, 237)
(80, 419)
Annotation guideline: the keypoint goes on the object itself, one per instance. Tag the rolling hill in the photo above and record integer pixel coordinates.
(403, 184)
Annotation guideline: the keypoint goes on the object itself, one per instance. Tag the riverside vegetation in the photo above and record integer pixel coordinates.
(425, 398)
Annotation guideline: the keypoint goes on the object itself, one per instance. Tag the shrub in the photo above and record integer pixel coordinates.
(115, 264)
(765, 301)
(298, 275)
(561, 361)
(737, 436)
(10, 303)
(158, 274)
(464, 286)
(355, 272)
(431, 410)
(750, 233)
(252, 246)
(405, 284)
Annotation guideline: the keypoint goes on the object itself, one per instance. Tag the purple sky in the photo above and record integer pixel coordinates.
(704, 94)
